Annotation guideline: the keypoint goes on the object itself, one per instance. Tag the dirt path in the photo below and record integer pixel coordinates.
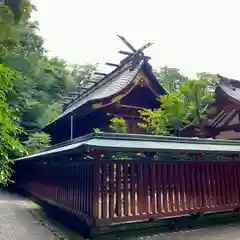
(17, 223)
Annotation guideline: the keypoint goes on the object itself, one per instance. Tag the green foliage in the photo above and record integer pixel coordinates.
(44, 80)
(9, 129)
(51, 113)
(178, 108)
(170, 78)
(37, 142)
(97, 130)
(154, 121)
(118, 125)
(82, 73)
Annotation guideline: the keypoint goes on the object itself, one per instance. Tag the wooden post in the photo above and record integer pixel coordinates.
(96, 182)
(71, 127)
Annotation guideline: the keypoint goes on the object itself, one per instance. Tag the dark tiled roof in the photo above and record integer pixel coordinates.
(231, 87)
(107, 87)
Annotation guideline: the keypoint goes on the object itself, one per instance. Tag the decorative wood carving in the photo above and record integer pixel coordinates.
(97, 105)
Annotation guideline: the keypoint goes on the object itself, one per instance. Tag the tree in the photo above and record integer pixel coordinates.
(18, 7)
(11, 12)
(170, 78)
(178, 108)
(37, 142)
(9, 129)
(209, 78)
(82, 73)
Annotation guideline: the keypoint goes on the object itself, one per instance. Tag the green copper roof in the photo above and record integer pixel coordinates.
(139, 142)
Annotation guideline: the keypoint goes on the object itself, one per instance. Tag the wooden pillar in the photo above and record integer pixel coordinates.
(71, 126)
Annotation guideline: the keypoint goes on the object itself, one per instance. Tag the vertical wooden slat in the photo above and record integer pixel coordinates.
(238, 182)
(104, 190)
(73, 185)
(198, 186)
(231, 181)
(176, 178)
(81, 187)
(235, 184)
(214, 183)
(133, 189)
(84, 188)
(152, 187)
(140, 189)
(188, 186)
(87, 200)
(228, 177)
(118, 186)
(218, 185)
(222, 184)
(91, 189)
(227, 186)
(111, 191)
(165, 183)
(145, 187)
(125, 192)
(159, 186)
(208, 200)
(193, 183)
(210, 184)
(96, 185)
(170, 187)
(182, 187)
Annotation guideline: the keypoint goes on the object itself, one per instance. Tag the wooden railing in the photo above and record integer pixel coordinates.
(104, 192)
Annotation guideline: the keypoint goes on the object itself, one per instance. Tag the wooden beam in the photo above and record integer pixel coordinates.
(234, 127)
(229, 117)
(129, 55)
(91, 81)
(129, 106)
(82, 88)
(68, 98)
(123, 115)
(112, 64)
(126, 53)
(74, 93)
(88, 81)
(99, 73)
(127, 43)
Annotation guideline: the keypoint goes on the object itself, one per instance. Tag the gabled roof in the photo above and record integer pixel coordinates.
(113, 83)
(107, 87)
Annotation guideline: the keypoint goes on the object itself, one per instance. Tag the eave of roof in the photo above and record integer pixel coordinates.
(140, 142)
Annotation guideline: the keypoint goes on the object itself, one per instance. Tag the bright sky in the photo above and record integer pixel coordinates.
(192, 35)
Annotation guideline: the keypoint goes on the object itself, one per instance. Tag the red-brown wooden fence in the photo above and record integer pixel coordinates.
(105, 192)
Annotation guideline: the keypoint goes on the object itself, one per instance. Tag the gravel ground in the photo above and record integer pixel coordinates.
(17, 223)
(226, 232)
